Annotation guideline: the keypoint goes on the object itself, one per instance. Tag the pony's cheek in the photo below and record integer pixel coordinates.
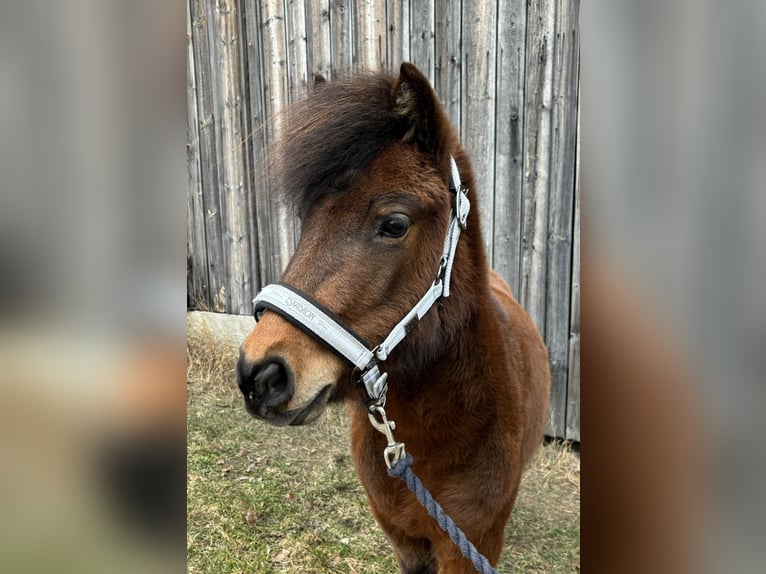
(313, 373)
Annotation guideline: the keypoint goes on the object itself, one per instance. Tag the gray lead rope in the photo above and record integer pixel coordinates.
(403, 470)
(298, 308)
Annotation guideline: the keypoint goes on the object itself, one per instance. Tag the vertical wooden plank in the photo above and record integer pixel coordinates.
(341, 37)
(371, 34)
(261, 243)
(541, 19)
(196, 255)
(298, 70)
(208, 156)
(509, 143)
(537, 135)
(561, 204)
(248, 156)
(422, 37)
(297, 49)
(478, 115)
(233, 195)
(573, 380)
(398, 18)
(447, 69)
(221, 298)
(281, 222)
(320, 51)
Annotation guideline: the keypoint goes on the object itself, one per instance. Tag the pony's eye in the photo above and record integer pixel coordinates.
(395, 225)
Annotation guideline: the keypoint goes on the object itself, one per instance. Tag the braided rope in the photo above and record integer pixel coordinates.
(403, 469)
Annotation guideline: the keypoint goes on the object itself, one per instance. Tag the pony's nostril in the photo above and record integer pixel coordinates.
(267, 384)
(269, 374)
(272, 383)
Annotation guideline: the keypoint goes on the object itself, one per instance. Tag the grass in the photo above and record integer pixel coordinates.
(279, 500)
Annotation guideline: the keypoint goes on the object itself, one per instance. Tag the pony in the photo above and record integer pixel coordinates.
(365, 162)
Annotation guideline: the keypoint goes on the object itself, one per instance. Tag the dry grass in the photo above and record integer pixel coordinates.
(211, 359)
(266, 499)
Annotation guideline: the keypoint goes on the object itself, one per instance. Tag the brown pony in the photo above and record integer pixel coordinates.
(366, 163)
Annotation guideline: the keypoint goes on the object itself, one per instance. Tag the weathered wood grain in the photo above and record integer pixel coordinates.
(509, 140)
(298, 73)
(196, 253)
(341, 36)
(319, 47)
(422, 37)
(507, 74)
(371, 34)
(572, 430)
(233, 174)
(561, 204)
(261, 241)
(541, 18)
(478, 101)
(216, 270)
(398, 27)
(281, 220)
(537, 137)
(448, 57)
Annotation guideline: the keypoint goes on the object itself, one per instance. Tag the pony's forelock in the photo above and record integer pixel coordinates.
(337, 130)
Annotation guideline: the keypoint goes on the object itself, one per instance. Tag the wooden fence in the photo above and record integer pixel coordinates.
(507, 73)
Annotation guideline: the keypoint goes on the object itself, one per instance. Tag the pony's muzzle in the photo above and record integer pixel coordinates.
(266, 385)
(285, 376)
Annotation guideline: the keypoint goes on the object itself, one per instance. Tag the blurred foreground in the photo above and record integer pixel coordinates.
(92, 303)
(674, 269)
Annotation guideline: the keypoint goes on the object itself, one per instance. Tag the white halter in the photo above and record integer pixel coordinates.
(300, 309)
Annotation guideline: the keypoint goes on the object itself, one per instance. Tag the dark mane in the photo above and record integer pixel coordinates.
(334, 132)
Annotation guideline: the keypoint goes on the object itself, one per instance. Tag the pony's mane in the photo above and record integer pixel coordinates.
(336, 131)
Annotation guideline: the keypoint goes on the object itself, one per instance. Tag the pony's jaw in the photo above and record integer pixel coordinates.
(312, 372)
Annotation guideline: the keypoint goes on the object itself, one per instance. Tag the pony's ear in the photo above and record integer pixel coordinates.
(319, 80)
(417, 105)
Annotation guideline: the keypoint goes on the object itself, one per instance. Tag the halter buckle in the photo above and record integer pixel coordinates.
(442, 268)
(375, 384)
(462, 206)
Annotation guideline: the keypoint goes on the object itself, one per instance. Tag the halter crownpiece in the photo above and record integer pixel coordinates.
(301, 310)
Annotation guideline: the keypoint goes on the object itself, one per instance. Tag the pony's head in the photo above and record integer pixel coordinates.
(366, 164)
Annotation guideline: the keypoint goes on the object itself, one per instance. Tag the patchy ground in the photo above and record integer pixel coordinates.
(267, 499)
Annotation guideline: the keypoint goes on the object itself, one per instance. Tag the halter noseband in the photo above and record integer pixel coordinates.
(301, 310)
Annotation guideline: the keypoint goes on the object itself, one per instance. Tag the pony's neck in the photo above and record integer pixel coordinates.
(446, 404)
(451, 351)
